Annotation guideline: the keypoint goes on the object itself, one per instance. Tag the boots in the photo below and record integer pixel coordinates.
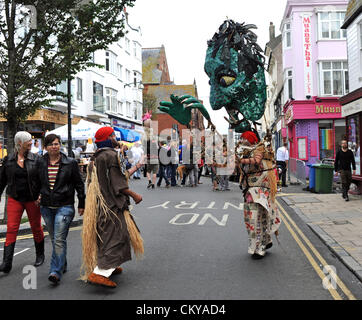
(8, 258)
(39, 250)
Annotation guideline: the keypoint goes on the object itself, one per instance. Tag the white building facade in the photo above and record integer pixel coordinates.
(112, 94)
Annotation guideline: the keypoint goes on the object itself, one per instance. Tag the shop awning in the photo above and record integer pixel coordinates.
(127, 135)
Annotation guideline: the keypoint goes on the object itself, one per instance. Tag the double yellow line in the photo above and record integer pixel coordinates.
(285, 217)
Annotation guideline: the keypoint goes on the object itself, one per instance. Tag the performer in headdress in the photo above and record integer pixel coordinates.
(109, 230)
(258, 180)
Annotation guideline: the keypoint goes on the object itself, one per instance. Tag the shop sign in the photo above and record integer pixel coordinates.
(289, 115)
(122, 124)
(307, 54)
(352, 108)
(327, 109)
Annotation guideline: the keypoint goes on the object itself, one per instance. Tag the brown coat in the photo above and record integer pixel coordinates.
(114, 248)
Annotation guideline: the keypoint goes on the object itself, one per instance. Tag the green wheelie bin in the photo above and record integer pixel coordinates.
(324, 178)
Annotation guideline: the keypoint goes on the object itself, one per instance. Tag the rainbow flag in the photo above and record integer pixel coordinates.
(327, 139)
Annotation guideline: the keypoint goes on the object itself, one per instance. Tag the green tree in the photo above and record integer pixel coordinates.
(45, 42)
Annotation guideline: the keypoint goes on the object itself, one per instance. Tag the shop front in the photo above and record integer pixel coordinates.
(38, 124)
(315, 128)
(352, 111)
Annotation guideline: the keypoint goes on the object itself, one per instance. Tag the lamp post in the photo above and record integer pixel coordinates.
(140, 85)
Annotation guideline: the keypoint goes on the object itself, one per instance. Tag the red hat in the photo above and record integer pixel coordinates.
(103, 134)
(250, 136)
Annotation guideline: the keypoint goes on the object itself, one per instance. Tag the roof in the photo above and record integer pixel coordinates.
(353, 10)
(272, 44)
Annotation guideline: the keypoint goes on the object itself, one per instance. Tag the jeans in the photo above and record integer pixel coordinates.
(284, 172)
(58, 221)
(162, 175)
(137, 174)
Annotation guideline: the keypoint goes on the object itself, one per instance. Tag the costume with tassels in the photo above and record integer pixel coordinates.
(258, 180)
(109, 230)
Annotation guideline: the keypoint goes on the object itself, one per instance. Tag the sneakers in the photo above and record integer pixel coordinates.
(54, 279)
(346, 198)
(149, 185)
(101, 280)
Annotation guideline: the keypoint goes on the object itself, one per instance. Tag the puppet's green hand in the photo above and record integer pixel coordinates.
(180, 108)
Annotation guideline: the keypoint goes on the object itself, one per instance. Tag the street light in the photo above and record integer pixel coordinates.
(140, 85)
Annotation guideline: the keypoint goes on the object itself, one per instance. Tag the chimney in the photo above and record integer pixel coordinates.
(271, 31)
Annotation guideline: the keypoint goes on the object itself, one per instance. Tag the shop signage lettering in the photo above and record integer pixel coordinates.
(326, 109)
(307, 54)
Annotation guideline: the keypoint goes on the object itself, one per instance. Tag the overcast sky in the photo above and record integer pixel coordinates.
(185, 26)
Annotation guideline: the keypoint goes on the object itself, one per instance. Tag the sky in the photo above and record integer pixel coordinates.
(185, 26)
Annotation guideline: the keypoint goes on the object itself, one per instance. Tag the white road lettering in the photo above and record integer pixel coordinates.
(193, 218)
(210, 216)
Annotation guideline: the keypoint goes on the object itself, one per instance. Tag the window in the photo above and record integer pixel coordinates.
(330, 25)
(334, 78)
(287, 37)
(128, 45)
(326, 145)
(288, 85)
(128, 76)
(120, 71)
(80, 89)
(128, 109)
(111, 100)
(354, 142)
(360, 45)
(111, 62)
(135, 49)
(120, 108)
(302, 148)
(63, 87)
(98, 102)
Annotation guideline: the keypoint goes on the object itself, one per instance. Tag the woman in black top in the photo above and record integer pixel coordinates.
(19, 173)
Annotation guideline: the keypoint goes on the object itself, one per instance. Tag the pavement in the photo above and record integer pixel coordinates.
(336, 222)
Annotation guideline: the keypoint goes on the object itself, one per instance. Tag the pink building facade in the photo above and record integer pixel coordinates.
(315, 77)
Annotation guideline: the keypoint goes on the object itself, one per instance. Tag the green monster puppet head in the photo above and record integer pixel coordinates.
(235, 66)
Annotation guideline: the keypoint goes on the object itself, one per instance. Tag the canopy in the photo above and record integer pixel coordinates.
(81, 131)
(127, 135)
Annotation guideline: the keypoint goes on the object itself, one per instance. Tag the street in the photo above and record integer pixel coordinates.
(196, 248)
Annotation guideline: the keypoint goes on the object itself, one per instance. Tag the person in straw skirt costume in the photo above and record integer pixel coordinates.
(109, 230)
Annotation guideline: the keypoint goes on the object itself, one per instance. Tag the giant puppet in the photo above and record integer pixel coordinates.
(235, 66)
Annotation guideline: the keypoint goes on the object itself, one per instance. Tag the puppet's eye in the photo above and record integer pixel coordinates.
(226, 81)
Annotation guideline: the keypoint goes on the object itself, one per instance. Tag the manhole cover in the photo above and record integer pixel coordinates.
(342, 222)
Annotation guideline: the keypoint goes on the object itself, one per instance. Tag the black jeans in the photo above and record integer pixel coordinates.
(162, 175)
(346, 179)
(283, 165)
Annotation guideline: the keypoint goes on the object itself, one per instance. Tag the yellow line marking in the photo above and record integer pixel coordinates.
(317, 254)
(314, 264)
(29, 236)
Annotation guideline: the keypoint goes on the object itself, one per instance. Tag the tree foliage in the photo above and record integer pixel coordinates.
(44, 42)
(150, 104)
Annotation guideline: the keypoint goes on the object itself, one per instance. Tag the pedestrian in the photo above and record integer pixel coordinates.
(164, 161)
(137, 155)
(173, 152)
(35, 148)
(342, 165)
(60, 177)
(190, 161)
(152, 166)
(19, 173)
(108, 228)
(259, 189)
(282, 161)
(224, 170)
(3, 151)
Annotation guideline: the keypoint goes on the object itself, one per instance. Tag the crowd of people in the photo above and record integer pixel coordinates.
(45, 186)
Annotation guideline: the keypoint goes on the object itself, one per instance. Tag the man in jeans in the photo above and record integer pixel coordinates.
(342, 165)
(282, 160)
